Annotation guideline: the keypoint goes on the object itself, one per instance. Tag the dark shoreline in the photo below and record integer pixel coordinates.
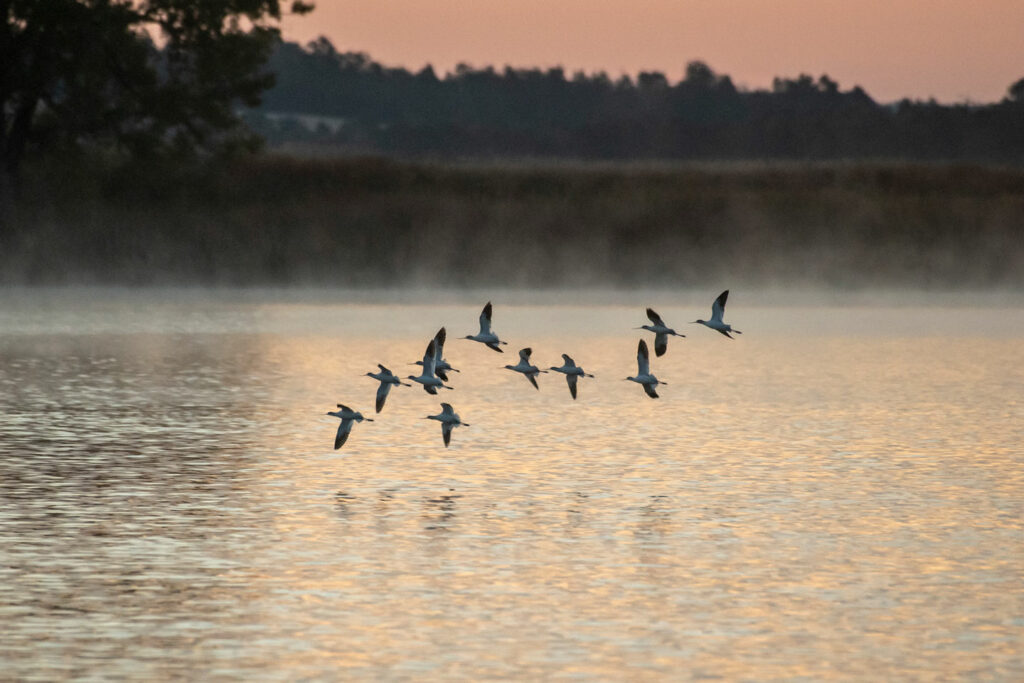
(367, 222)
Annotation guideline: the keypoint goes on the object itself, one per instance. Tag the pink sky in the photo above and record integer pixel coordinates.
(952, 50)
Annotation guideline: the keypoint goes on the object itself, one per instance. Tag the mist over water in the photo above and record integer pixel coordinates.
(360, 223)
(835, 494)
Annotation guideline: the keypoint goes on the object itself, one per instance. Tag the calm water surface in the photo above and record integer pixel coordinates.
(837, 494)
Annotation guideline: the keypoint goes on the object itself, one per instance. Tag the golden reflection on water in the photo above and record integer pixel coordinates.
(820, 498)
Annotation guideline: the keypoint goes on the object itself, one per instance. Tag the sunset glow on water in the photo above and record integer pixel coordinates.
(835, 494)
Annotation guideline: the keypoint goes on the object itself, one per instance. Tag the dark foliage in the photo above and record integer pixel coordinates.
(546, 113)
(143, 77)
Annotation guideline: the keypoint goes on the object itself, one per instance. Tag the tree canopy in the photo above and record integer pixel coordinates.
(347, 102)
(144, 75)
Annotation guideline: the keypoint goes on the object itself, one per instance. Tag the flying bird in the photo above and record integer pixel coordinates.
(449, 420)
(572, 373)
(523, 366)
(441, 366)
(486, 336)
(426, 378)
(661, 332)
(348, 417)
(717, 311)
(387, 379)
(643, 373)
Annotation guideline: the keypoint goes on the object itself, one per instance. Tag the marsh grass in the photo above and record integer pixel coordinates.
(372, 221)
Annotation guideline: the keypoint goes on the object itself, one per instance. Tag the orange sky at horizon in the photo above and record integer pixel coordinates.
(952, 50)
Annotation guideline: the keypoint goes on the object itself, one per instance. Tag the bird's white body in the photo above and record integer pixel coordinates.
(449, 420)
(387, 379)
(644, 376)
(572, 373)
(717, 311)
(524, 367)
(486, 336)
(348, 418)
(427, 379)
(661, 332)
(441, 366)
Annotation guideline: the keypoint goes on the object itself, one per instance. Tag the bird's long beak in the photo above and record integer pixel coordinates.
(466, 424)
(370, 419)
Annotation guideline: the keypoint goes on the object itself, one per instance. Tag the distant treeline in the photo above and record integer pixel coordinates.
(345, 101)
(372, 222)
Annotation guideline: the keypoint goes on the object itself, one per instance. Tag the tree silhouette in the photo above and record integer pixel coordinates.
(143, 76)
(524, 112)
(1015, 93)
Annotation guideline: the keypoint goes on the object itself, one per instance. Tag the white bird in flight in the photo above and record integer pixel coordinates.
(485, 336)
(572, 373)
(441, 366)
(348, 417)
(523, 366)
(387, 379)
(661, 332)
(427, 379)
(643, 374)
(449, 420)
(717, 311)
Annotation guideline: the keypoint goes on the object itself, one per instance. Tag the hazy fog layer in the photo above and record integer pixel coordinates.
(374, 223)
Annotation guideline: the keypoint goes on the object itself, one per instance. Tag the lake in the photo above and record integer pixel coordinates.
(836, 494)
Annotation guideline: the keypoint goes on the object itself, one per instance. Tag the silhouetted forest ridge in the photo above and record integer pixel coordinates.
(344, 101)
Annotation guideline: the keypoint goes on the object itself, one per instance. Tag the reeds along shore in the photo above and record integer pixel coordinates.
(370, 222)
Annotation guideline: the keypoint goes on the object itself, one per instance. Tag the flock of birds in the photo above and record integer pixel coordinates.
(435, 368)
